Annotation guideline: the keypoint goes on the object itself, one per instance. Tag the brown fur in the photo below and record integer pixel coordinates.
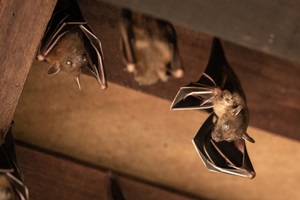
(233, 117)
(152, 50)
(70, 49)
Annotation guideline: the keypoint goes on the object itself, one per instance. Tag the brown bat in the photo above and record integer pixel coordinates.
(70, 45)
(149, 48)
(220, 141)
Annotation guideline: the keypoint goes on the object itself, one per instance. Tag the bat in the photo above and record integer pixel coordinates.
(149, 48)
(70, 45)
(219, 89)
(11, 180)
(220, 141)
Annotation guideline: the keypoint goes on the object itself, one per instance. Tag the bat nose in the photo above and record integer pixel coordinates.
(216, 137)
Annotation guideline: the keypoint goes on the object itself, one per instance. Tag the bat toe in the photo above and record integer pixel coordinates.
(178, 73)
(41, 57)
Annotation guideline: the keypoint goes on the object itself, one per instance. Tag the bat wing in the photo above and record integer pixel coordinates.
(225, 157)
(169, 33)
(195, 95)
(65, 19)
(95, 56)
(217, 74)
(220, 71)
(9, 167)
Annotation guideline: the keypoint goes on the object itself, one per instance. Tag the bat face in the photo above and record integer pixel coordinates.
(149, 48)
(6, 191)
(220, 141)
(229, 127)
(69, 55)
(70, 45)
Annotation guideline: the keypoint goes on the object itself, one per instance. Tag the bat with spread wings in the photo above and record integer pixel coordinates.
(70, 45)
(150, 48)
(11, 180)
(220, 141)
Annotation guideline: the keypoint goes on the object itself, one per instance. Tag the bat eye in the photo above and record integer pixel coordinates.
(225, 126)
(69, 62)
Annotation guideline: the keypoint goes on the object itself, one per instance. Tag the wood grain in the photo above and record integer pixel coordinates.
(52, 176)
(22, 26)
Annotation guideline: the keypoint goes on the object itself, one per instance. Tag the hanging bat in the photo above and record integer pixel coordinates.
(219, 89)
(150, 48)
(70, 45)
(11, 180)
(223, 134)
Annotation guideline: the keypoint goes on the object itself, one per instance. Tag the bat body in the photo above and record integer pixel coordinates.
(149, 48)
(220, 141)
(69, 45)
(233, 117)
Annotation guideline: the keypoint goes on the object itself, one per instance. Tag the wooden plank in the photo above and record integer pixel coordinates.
(52, 176)
(22, 26)
(271, 84)
(268, 26)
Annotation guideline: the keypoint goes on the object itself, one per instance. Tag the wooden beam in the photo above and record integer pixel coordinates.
(22, 26)
(52, 176)
(267, 26)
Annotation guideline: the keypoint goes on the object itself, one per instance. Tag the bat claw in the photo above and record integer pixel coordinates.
(40, 57)
(78, 82)
(130, 67)
(178, 73)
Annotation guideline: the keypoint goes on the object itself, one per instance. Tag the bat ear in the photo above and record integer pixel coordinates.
(78, 82)
(248, 138)
(238, 110)
(54, 69)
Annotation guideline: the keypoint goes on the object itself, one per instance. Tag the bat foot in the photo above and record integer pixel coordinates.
(178, 73)
(251, 175)
(103, 87)
(41, 57)
(130, 67)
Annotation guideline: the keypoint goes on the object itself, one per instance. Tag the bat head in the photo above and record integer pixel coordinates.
(6, 190)
(72, 65)
(68, 56)
(230, 127)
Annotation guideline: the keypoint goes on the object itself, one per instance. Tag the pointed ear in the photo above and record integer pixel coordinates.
(238, 110)
(248, 138)
(54, 69)
(78, 82)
